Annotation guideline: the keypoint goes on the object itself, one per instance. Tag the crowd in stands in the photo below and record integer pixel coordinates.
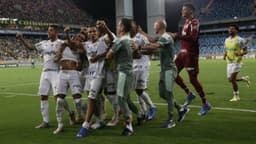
(12, 49)
(224, 9)
(213, 44)
(52, 11)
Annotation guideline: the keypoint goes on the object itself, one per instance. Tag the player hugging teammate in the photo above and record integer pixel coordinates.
(98, 62)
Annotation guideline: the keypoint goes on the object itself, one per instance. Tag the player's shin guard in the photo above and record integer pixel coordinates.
(142, 105)
(44, 110)
(147, 99)
(170, 103)
(132, 106)
(66, 106)
(124, 108)
(113, 99)
(60, 111)
(80, 107)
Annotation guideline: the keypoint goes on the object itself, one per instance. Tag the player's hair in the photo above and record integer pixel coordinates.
(163, 24)
(127, 23)
(134, 29)
(235, 26)
(190, 6)
(55, 27)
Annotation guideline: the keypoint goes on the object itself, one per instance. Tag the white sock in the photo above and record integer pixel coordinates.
(113, 99)
(236, 93)
(86, 125)
(44, 110)
(143, 106)
(78, 105)
(129, 126)
(147, 99)
(59, 111)
(66, 106)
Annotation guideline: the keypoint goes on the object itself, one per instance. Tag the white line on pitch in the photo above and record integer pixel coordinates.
(19, 84)
(159, 104)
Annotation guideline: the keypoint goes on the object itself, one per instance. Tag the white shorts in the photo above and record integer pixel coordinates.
(48, 81)
(233, 68)
(140, 80)
(110, 81)
(96, 85)
(87, 85)
(66, 79)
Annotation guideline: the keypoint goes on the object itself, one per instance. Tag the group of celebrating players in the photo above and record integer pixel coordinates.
(98, 62)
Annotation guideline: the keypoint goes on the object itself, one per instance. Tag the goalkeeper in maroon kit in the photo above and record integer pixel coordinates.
(188, 57)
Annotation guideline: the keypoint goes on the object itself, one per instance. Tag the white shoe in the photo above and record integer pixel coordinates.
(97, 125)
(113, 122)
(234, 99)
(43, 125)
(58, 130)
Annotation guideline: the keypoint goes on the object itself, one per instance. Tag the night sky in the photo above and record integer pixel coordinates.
(105, 9)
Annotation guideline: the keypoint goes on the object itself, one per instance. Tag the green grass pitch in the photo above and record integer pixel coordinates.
(226, 123)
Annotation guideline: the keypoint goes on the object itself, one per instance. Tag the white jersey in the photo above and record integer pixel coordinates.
(144, 62)
(48, 49)
(92, 49)
(68, 54)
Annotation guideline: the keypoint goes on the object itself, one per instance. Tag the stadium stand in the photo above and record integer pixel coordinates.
(11, 49)
(227, 9)
(52, 11)
(215, 16)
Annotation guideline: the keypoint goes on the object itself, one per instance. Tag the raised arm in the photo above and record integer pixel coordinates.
(25, 42)
(110, 36)
(67, 31)
(150, 38)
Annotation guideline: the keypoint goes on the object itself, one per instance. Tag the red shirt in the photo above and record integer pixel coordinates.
(190, 36)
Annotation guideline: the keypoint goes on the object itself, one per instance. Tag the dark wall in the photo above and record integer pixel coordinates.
(105, 9)
(100, 9)
(173, 14)
(140, 13)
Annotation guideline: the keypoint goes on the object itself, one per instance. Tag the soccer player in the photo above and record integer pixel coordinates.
(95, 47)
(235, 49)
(123, 54)
(69, 55)
(141, 65)
(168, 71)
(188, 57)
(110, 79)
(50, 71)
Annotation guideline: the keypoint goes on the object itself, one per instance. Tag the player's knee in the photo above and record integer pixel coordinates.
(109, 92)
(43, 98)
(60, 96)
(139, 91)
(77, 96)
